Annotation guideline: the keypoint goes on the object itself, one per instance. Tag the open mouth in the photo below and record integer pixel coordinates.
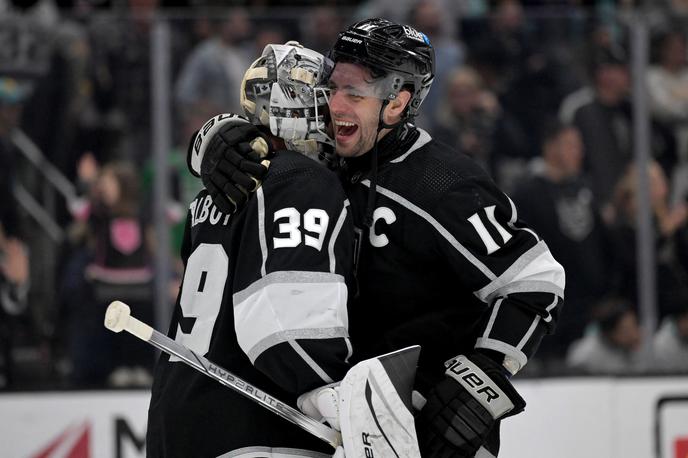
(344, 129)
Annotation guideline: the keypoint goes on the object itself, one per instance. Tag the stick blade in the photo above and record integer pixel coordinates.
(117, 316)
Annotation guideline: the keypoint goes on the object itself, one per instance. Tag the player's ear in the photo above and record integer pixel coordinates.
(395, 108)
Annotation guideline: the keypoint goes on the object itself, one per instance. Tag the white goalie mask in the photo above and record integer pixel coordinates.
(285, 89)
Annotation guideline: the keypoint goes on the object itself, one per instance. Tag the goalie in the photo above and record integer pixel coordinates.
(265, 290)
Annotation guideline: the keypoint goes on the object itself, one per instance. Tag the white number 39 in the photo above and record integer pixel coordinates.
(315, 222)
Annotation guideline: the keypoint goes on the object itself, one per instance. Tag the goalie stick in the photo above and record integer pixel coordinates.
(118, 318)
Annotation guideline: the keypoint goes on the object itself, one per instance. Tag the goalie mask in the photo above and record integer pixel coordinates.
(285, 90)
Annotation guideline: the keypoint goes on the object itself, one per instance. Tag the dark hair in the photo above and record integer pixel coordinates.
(552, 127)
(129, 184)
(608, 312)
(659, 41)
(612, 55)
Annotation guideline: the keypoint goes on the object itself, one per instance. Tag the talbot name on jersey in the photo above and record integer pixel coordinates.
(202, 210)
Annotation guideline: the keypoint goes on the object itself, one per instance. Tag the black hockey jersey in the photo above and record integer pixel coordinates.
(446, 264)
(264, 295)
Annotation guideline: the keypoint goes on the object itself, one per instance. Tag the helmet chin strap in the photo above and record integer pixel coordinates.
(381, 124)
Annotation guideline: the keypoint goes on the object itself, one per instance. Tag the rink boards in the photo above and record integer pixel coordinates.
(565, 417)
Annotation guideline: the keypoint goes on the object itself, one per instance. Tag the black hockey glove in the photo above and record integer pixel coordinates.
(463, 408)
(229, 155)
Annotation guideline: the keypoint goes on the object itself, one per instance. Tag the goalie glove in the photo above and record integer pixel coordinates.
(229, 155)
(322, 404)
(371, 406)
(462, 409)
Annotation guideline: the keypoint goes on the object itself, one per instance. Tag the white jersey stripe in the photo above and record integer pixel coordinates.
(261, 229)
(549, 308)
(286, 306)
(422, 139)
(438, 227)
(286, 276)
(493, 316)
(350, 349)
(502, 347)
(535, 265)
(311, 363)
(289, 336)
(514, 217)
(526, 286)
(335, 234)
(528, 333)
(533, 326)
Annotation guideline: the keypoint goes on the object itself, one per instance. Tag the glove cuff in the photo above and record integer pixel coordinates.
(201, 139)
(486, 382)
(189, 156)
(322, 404)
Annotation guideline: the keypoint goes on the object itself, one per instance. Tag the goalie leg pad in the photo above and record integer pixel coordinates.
(375, 419)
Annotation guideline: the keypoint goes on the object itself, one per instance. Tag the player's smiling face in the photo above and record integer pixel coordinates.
(354, 114)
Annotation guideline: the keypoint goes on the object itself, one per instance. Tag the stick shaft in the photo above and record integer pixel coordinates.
(223, 376)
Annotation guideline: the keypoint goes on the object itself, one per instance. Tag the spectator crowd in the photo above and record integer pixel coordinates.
(537, 92)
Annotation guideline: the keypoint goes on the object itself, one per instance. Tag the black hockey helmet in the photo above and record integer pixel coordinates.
(392, 48)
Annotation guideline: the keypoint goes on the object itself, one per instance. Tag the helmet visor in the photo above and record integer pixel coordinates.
(355, 80)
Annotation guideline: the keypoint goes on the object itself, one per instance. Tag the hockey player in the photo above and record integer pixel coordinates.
(443, 260)
(265, 290)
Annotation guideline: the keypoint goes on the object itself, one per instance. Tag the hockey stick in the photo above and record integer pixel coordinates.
(118, 318)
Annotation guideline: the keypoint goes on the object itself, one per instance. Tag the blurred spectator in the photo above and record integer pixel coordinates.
(667, 83)
(62, 91)
(668, 14)
(558, 204)
(14, 275)
(120, 121)
(606, 126)
(268, 34)
(112, 261)
(528, 103)
(214, 70)
(184, 186)
(319, 29)
(670, 343)
(14, 285)
(612, 342)
(599, 39)
(466, 115)
(529, 76)
(500, 51)
(38, 46)
(428, 16)
(13, 94)
(671, 233)
(14, 262)
(398, 11)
